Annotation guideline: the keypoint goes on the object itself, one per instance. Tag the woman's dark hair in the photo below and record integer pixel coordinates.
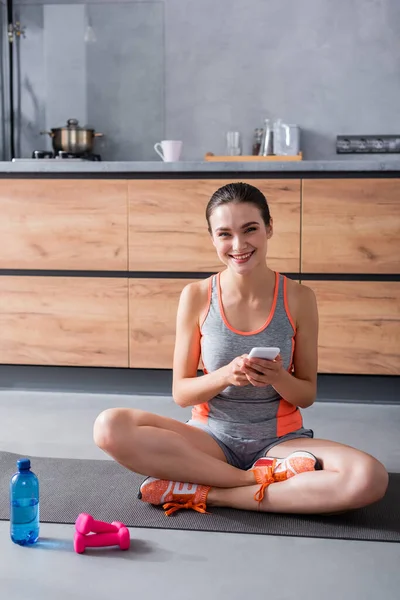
(238, 193)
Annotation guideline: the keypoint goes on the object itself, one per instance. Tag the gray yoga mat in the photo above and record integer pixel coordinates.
(109, 492)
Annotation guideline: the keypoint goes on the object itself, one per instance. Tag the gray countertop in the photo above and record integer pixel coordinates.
(68, 166)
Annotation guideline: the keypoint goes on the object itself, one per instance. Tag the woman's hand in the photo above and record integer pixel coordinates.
(235, 374)
(261, 372)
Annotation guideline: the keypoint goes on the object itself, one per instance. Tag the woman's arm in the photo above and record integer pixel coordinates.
(187, 388)
(299, 388)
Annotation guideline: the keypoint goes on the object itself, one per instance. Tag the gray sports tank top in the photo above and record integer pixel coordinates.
(249, 412)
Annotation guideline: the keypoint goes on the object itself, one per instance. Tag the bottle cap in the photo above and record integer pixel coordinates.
(23, 464)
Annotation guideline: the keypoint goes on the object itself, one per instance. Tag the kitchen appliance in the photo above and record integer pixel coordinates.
(46, 155)
(73, 138)
(61, 155)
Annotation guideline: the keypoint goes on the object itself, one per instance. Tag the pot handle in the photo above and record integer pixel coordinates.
(50, 133)
(98, 135)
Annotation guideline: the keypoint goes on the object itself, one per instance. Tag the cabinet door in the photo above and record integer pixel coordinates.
(351, 226)
(64, 321)
(168, 230)
(359, 327)
(63, 224)
(153, 304)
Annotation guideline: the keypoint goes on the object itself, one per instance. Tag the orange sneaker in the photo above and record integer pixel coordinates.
(269, 470)
(174, 495)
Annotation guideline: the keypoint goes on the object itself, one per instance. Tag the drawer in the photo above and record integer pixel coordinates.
(351, 226)
(73, 321)
(63, 224)
(359, 326)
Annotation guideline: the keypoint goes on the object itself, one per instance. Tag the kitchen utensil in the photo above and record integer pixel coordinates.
(169, 150)
(72, 138)
(286, 139)
(257, 140)
(267, 140)
(210, 157)
(233, 143)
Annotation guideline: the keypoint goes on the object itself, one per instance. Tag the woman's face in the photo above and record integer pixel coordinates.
(240, 236)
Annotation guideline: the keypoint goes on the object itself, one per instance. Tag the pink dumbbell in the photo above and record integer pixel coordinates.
(96, 540)
(86, 524)
(118, 524)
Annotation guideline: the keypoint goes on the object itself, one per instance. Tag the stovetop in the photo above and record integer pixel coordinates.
(46, 155)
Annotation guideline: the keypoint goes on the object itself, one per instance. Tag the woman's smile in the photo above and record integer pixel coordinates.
(242, 258)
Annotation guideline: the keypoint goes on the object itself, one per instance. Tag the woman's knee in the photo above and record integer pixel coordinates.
(111, 426)
(366, 481)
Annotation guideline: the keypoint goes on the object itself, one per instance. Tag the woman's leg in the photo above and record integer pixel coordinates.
(350, 479)
(164, 448)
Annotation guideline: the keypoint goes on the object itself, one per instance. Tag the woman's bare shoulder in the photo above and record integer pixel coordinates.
(300, 290)
(195, 297)
(301, 298)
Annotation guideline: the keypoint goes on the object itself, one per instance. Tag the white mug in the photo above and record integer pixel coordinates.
(170, 150)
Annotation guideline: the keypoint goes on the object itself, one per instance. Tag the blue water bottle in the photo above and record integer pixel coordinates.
(24, 504)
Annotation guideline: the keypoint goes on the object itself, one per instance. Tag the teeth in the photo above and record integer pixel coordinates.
(241, 256)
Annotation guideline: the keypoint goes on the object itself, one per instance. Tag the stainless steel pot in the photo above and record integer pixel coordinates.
(72, 138)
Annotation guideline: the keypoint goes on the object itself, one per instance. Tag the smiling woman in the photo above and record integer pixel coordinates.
(246, 433)
(241, 227)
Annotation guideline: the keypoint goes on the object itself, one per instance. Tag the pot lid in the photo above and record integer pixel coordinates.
(74, 124)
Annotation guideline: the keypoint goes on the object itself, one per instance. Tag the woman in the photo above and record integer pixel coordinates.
(246, 432)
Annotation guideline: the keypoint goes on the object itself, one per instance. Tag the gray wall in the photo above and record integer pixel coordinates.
(331, 67)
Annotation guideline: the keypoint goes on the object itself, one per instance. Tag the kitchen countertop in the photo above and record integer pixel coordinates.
(103, 168)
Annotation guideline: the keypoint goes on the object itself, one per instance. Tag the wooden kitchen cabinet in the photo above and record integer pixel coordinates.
(359, 326)
(351, 226)
(64, 321)
(168, 230)
(339, 226)
(153, 305)
(63, 224)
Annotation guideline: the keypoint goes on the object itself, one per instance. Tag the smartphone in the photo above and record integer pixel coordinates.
(269, 353)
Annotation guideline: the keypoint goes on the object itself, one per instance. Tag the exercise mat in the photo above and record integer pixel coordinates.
(109, 492)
